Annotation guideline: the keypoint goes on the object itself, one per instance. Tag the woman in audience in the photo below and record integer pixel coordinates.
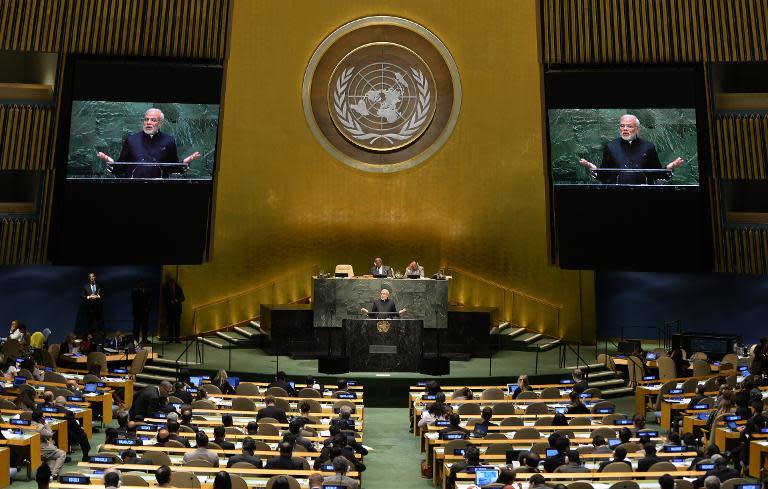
(221, 381)
(25, 400)
(222, 480)
(522, 386)
(434, 411)
(9, 370)
(576, 406)
(69, 345)
(15, 333)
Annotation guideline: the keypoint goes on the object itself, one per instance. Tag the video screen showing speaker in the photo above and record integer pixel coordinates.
(625, 146)
(627, 152)
(142, 140)
(136, 161)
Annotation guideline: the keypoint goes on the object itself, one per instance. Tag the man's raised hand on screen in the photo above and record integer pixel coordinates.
(191, 157)
(586, 164)
(105, 157)
(675, 163)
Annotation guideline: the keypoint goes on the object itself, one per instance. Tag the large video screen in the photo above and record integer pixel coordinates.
(627, 151)
(623, 146)
(136, 161)
(132, 140)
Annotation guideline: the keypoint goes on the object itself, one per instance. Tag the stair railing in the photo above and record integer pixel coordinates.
(564, 347)
(199, 354)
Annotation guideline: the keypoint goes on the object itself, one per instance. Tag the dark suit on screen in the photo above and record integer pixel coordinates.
(637, 154)
(143, 148)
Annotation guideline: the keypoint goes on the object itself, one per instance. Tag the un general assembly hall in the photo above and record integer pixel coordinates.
(398, 244)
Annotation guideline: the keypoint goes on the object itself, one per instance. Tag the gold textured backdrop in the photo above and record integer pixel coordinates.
(480, 204)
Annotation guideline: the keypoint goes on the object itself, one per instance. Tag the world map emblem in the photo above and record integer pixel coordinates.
(381, 97)
(381, 94)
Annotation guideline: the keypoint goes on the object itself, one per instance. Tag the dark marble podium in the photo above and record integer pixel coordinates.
(337, 299)
(383, 345)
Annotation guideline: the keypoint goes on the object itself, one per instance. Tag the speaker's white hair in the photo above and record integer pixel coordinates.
(637, 121)
(162, 116)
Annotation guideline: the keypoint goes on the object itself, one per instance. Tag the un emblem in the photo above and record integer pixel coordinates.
(381, 94)
(383, 327)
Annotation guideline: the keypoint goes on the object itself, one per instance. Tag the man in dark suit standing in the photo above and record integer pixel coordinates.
(379, 268)
(141, 302)
(173, 297)
(384, 305)
(148, 402)
(91, 296)
(630, 152)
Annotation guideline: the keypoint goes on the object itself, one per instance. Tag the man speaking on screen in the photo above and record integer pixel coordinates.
(628, 151)
(148, 146)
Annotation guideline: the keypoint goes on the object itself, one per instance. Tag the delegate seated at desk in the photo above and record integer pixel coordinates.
(384, 305)
(380, 269)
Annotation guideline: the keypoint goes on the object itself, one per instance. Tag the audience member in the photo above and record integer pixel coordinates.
(249, 446)
(222, 480)
(619, 455)
(219, 438)
(281, 380)
(49, 453)
(75, 432)
(111, 479)
(340, 467)
(272, 411)
(650, 458)
(163, 476)
(285, 459)
(202, 451)
(454, 421)
(221, 380)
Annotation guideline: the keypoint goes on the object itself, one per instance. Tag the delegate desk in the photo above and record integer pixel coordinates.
(598, 480)
(26, 440)
(81, 359)
(758, 451)
(5, 461)
(337, 299)
(383, 345)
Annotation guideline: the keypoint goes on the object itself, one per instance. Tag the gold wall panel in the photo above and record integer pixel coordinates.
(479, 204)
(639, 31)
(180, 28)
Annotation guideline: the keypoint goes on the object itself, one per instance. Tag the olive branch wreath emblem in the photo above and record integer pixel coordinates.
(419, 117)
